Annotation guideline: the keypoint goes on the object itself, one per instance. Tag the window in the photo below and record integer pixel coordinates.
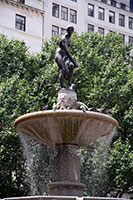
(101, 30)
(131, 5)
(55, 30)
(55, 10)
(130, 22)
(123, 6)
(104, 1)
(64, 13)
(131, 40)
(91, 10)
(20, 23)
(90, 27)
(21, 1)
(74, 0)
(113, 3)
(112, 17)
(73, 16)
(121, 20)
(63, 31)
(101, 13)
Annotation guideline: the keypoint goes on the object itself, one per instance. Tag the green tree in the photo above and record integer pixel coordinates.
(103, 79)
(120, 166)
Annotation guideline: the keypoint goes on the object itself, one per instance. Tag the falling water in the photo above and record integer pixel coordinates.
(39, 159)
(94, 160)
(38, 164)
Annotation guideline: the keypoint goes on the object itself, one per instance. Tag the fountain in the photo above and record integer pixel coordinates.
(66, 128)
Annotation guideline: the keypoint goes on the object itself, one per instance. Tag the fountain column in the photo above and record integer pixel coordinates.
(66, 175)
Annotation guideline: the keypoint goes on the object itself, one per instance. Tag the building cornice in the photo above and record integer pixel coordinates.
(23, 6)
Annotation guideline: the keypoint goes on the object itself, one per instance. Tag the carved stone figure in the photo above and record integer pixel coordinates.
(64, 60)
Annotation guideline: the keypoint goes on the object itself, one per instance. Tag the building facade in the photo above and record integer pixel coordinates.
(23, 20)
(101, 16)
(36, 20)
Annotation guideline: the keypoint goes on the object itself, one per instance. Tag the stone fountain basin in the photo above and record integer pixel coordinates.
(65, 126)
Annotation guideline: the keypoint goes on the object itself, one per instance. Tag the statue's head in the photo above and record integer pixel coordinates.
(70, 29)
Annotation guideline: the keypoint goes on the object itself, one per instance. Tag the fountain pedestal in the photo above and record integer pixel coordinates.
(66, 175)
(66, 129)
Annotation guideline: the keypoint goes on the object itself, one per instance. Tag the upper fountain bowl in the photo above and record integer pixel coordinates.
(65, 126)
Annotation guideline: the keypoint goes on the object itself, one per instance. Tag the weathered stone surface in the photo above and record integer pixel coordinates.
(67, 99)
(65, 126)
(66, 177)
(66, 163)
(66, 188)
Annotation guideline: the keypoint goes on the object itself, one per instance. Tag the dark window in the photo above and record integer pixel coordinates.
(101, 13)
(90, 27)
(112, 17)
(73, 16)
(74, 0)
(104, 1)
(101, 30)
(131, 5)
(91, 10)
(55, 30)
(130, 22)
(123, 6)
(121, 20)
(63, 31)
(21, 1)
(131, 40)
(20, 23)
(64, 13)
(113, 3)
(55, 10)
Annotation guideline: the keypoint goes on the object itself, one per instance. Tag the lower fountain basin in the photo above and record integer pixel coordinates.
(65, 126)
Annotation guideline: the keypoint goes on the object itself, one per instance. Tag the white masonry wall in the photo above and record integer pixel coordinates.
(33, 34)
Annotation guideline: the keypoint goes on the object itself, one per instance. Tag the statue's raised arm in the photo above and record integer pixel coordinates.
(64, 60)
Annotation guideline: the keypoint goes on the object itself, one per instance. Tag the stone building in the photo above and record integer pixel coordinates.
(23, 20)
(36, 20)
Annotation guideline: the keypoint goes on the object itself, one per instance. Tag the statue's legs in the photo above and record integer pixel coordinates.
(60, 62)
(70, 74)
(61, 77)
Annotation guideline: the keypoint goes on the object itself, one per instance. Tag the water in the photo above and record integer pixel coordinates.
(39, 162)
(94, 160)
(39, 159)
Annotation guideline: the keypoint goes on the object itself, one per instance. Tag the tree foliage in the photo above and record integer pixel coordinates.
(120, 166)
(28, 82)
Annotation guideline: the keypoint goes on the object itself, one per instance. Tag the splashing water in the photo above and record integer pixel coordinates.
(39, 160)
(94, 160)
(38, 164)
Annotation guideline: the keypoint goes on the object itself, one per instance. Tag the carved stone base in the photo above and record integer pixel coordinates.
(67, 99)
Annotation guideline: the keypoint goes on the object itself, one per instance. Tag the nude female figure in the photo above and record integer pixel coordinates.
(64, 60)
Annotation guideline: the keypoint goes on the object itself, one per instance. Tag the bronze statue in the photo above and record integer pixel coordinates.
(64, 60)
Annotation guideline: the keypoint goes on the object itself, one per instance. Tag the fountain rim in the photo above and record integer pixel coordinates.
(66, 113)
